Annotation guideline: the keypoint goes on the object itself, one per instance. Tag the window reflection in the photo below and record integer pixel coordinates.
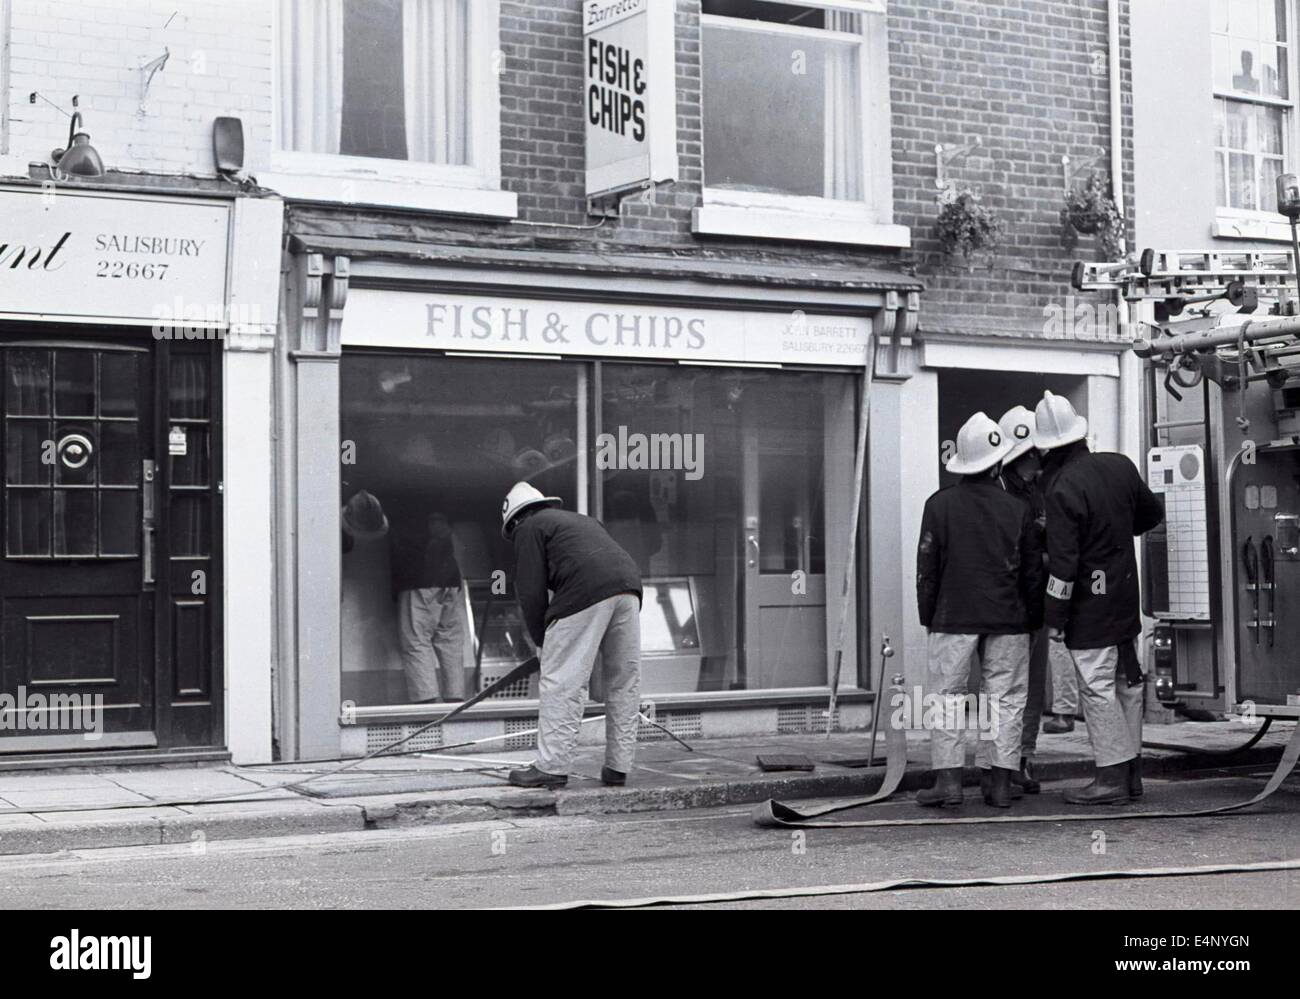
(445, 438)
(735, 550)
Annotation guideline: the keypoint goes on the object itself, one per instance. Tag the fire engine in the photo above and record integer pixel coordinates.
(1219, 335)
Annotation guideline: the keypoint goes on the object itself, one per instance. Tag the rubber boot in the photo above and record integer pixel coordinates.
(1024, 778)
(1135, 777)
(1058, 724)
(1108, 787)
(946, 790)
(986, 785)
(999, 793)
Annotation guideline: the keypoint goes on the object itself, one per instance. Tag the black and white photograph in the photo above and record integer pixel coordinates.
(675, 455)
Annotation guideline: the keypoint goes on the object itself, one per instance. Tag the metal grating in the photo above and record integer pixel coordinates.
(519, 690)
(514, 725)
(683, 724)
(804, 719)
(378, 736)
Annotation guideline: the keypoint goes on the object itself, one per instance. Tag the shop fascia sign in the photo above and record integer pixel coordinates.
(630, 94)
(80, 257)
(530, 326)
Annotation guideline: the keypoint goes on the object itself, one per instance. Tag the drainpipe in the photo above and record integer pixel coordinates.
(1131, 413)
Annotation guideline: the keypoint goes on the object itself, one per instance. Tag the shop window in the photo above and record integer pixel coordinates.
(810, 141)
(1253, 102)
(729, 488)
(439, 441)
(401, 92)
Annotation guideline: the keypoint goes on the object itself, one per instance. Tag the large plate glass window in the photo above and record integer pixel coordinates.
(435, 444)
(1254, 102)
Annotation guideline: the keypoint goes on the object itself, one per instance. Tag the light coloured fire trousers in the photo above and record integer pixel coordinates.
(611, 627)
(1112, 709)
(1004, 673)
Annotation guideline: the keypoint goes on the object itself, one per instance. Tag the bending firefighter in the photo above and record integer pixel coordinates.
(978, 586)
(1096, 505)
(594, 607)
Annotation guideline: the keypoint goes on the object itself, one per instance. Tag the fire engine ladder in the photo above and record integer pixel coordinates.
(1190, 330)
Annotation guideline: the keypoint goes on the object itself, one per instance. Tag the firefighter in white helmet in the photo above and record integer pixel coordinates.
(1021, 472)
(978, 569)
(1096, 505)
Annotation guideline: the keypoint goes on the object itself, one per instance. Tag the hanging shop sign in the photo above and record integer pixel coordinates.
(384, 318)
(73, 256)
(630, 94)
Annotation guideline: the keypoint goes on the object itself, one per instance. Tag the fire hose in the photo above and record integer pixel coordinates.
(775, 814)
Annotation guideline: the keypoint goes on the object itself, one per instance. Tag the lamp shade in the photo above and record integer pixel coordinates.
(81, 158)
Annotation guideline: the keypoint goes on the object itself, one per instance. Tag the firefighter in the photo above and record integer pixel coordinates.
(1096, 505)
(978, 571)
(580, 594)
(1021, 472)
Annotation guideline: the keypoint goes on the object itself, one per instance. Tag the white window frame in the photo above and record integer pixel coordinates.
(1248, 223)
(761, 215)
(471, 190)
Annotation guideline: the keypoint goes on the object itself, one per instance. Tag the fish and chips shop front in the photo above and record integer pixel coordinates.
(714, 439)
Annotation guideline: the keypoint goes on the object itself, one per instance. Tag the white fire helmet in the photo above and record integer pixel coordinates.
(1056, 423)
(1017, 425)
(980, 446)
(521, 496)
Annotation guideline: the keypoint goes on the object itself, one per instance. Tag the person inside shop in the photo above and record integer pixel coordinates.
(594, 606)
(1096, 505)
(431, 625)
(1021, 472)
(978, 576)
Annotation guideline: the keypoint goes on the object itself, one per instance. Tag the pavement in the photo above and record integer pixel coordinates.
(85, 809)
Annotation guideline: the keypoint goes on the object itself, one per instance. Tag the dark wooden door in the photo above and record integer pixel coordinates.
(78, 577)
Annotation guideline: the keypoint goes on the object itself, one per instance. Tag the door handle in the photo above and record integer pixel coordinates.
(148, 523)
(751, 545)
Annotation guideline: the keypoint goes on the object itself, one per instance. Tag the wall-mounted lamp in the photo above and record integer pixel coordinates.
(79, 158)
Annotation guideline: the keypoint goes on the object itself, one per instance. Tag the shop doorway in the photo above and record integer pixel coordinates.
(109, 573)
(784, 581)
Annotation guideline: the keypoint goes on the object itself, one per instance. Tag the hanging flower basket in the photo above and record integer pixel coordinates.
(966, 225)
(1091, 211)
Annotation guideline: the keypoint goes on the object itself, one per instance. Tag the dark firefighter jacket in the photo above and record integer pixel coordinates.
(979, 563)
(1096, 505)
(574, 557)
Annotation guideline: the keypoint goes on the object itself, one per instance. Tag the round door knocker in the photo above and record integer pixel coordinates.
(74, 450)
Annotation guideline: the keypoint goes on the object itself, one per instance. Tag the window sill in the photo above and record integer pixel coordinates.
(1251, 227)
(719, 700)
(424, 197)
(775, 223)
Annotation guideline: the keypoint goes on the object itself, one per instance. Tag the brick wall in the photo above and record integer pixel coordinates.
(1029, 78)
(219, 64)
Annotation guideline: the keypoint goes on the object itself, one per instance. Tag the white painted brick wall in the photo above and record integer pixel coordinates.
(220, 64)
